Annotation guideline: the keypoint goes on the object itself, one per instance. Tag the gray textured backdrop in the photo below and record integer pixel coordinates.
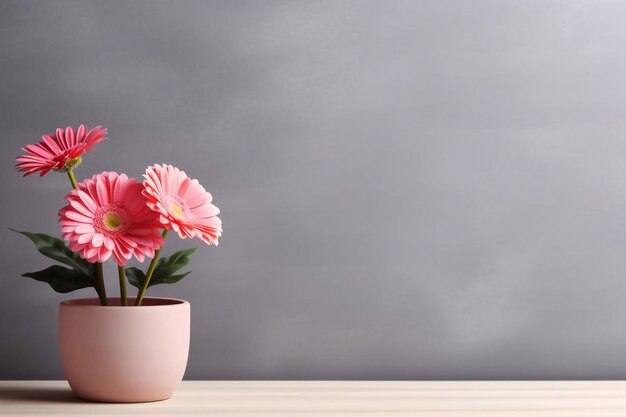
(408, 189)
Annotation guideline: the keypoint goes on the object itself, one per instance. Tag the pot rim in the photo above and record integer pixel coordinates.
(94, 302)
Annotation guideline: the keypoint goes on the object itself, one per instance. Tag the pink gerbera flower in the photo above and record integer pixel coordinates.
(107, 215)
(182, 203)
(60, 152)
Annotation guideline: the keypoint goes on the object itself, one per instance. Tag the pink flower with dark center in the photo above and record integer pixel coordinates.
(59, 152)
(108, 215)
(182, 203)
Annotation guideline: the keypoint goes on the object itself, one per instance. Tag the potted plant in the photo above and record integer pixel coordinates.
(119, 349)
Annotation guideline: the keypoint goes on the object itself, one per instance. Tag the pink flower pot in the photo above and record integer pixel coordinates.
(124, 354)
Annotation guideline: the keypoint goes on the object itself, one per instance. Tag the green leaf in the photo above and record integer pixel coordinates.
(168, 266)
(55, 248)
(62, 279)
(170, 279)
(165, 271)
(135, 276)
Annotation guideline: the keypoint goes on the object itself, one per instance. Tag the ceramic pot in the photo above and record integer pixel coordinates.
(124, 354)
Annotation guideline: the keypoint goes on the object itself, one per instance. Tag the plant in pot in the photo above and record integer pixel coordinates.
(119, 349)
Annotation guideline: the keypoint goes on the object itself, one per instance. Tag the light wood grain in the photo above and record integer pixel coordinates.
(334, 398)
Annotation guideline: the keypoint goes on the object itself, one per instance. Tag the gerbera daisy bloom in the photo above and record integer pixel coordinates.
(107, 216)
(61, 151)
(182, 203)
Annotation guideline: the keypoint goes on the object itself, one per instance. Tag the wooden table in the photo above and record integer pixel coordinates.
(334, 398)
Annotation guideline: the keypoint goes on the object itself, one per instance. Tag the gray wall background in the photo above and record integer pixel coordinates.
(409, 189)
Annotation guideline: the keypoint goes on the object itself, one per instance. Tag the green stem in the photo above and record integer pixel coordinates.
(149, 273)
(70, 174)
(101, 290)
(122, 274)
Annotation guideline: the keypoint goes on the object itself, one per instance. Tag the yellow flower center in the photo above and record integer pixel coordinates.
(177, 210)
(112, 220)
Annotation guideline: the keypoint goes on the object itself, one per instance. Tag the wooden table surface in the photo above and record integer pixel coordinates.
(334, 398)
